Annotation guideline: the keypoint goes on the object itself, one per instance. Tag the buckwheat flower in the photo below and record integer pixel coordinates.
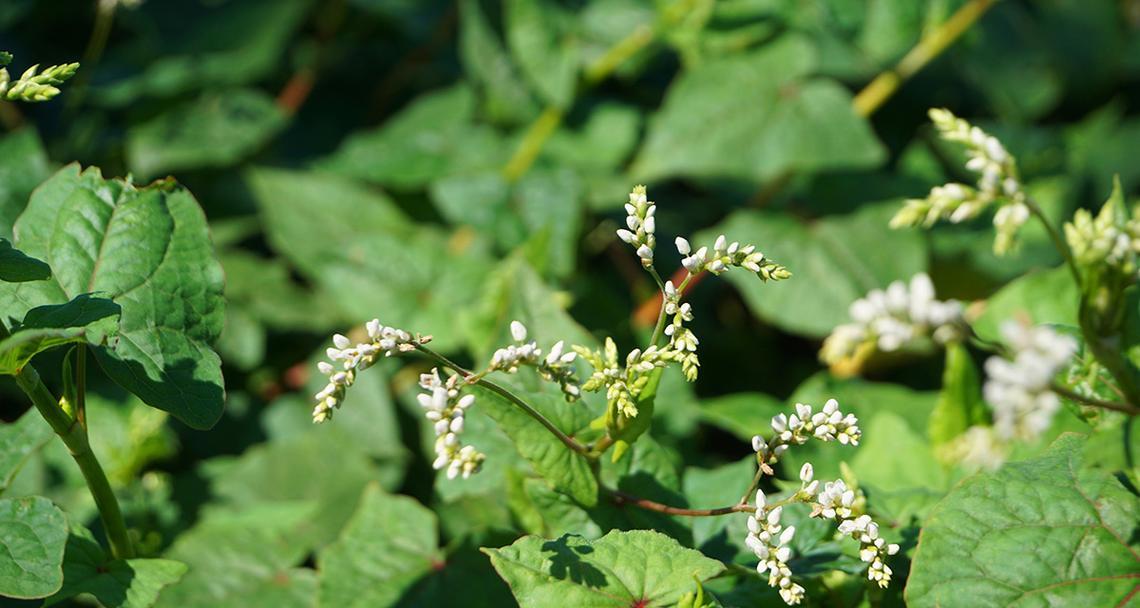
(725, 255)
(834, 501)
(1018, 389)
(1111, 240)
(979, 448)
(557, 366)
(873, 549)
(640, 225)
(682, 341)
(347, 360)
(769, 540)
(890, 319)
(445, 406)
(829, 424)
(998, 184)
(623, 384)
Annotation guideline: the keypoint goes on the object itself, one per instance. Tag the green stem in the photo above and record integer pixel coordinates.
(514, 399)
(81, 385)
(74, 436)
(1127, 408)
(752, 486)
(660, 326)
(879, 90)
(100, 31)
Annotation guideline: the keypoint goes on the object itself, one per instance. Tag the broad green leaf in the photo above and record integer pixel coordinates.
(564, 469)
(548, 60)
(390, 542)
(833, 261)
(246, 558)
(17, 267)
(132, 583)
(1040, 532)
(33, 532)
(960, 404)
(876, 461)
(217, 129)
(433, 137)
(754, 115)
(23, 165)
(720, 537)
(147, 249)
(1048, 296)
(297, 468)
(18, 441)
(621, 569)
(506, 99)
(743, 414)
(209, 46)
(371, 259)
(83, 319)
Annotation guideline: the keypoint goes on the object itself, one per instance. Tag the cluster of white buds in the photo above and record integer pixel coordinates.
(353, 359)
(1112, 238)
(32, 86)
(640, 225)
(889, 319)
(556, 366)
(998, 182)
(444, 406)
(725, 255)
(828, 424)
(1018, 389)
(977, 448)
(768, 539)
(623, 384)
(835, 501)
(682, 341)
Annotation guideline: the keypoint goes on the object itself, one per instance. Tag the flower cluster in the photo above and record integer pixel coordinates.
(556, 366)
(998, 182)
(977, 448)
(828, 424)
(32, 86)
(623, 384)
(835, 502)
(1111, 239)
(354, 359)
(682, 341)
(725, 255)
(889, 319)
(1018, 389)
(444, 406)
(768, 539)
(640, 225)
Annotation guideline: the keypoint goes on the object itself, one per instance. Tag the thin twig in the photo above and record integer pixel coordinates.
(622, 498)
(1116, 406)
(505, 393)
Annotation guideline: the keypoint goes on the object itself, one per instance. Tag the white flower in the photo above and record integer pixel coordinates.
(354, 359)
(978, 448)
(1018, 389)
(640, 225)
(893, 318)
(835, 500)
(769, 541)
(682, 246)
(518, 331)
(556, 366)
(444, 406)
(727, 255)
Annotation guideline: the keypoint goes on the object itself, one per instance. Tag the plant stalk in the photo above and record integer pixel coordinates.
(74, 436)
(514, 399)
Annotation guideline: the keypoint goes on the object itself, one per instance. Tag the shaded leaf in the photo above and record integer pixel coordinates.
(132, 583)
(17, 267)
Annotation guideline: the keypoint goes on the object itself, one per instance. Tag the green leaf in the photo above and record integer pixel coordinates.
(720, 537)
(217, 129)
(23, 165)
(433, 137)
(33, 532)
(505, 97)
(132, 583)
(18, 441)
(960, 404)
(833, 261)
(564, 469)
(621, 569)
(743, 414)
(148, 249)
(83, 319)
(17, 267)
(1039, 532)
(754, 115)
(390, 543)
(1048, 296)
(548, 61)
(371, 259)
(244, 559)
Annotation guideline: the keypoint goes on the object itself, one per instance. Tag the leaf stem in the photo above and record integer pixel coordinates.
(74, 436)
(1116, 406)
(505, 393)
(879, 90)
(1058, 243)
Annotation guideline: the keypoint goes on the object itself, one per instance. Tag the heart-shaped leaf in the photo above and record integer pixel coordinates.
(33, 532)
(147, 249)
